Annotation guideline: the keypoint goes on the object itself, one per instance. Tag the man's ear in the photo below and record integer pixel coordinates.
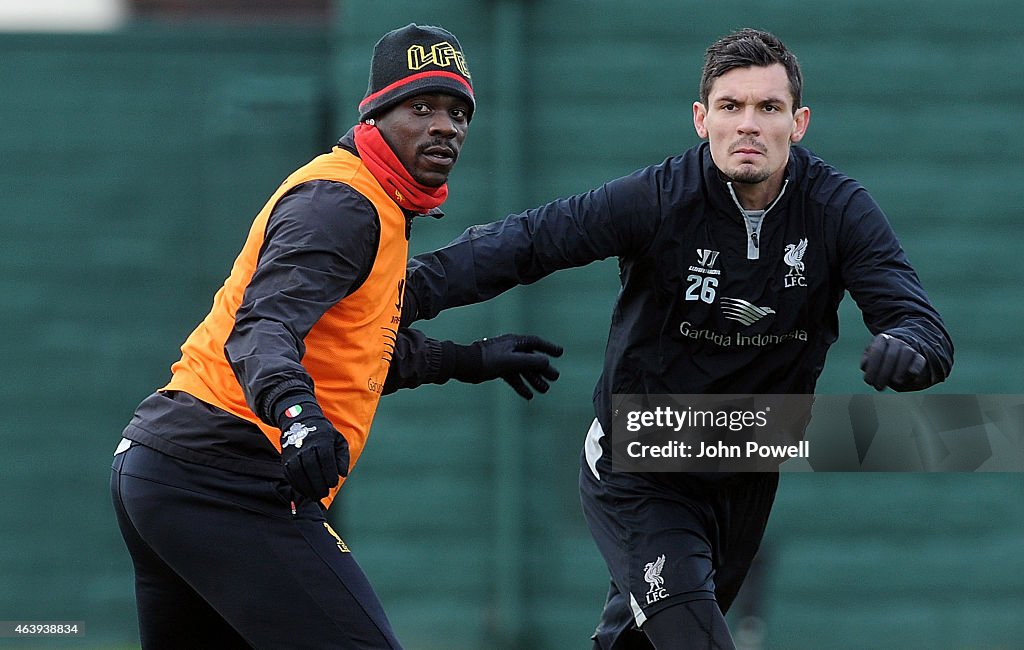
(801, 120)
(700, 113)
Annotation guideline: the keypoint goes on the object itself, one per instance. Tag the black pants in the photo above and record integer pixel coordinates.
(677, 547)
(221, 562)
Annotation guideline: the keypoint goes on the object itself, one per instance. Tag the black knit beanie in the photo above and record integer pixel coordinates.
(413, 60)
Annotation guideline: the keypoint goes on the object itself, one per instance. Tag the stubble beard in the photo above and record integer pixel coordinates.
(749, 175)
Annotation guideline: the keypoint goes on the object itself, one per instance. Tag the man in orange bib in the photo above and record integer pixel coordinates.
(223, 476)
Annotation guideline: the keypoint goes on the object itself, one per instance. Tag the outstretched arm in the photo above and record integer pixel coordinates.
(911, 349)
(616, 219)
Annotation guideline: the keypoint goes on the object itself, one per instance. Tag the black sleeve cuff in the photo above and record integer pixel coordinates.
(440, 361)
(288, 399)
(467, 362)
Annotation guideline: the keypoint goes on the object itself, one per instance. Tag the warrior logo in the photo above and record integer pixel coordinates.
(295, 434)
(794, 258)
(706, 257)
(652, 574)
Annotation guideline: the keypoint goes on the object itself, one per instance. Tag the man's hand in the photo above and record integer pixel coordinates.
(888, 361)
(522, 361)
(313, 453)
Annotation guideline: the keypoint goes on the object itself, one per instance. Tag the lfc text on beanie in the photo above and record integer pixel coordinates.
(414, 60)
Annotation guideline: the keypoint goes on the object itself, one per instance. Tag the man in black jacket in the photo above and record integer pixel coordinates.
(734, 257)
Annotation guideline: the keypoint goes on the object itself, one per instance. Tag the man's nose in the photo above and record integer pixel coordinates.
(749, 122)
(443, 125)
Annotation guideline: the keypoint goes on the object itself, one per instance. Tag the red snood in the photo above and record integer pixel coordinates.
(392, 174)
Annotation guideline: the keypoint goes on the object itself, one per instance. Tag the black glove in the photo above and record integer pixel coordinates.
(516, 358)
(313, 453)
(888, 361)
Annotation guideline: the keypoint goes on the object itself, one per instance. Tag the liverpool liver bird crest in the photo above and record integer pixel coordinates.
(652, 573)
(794, 256)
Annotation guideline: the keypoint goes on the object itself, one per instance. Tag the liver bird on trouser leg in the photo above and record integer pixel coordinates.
(652, 573)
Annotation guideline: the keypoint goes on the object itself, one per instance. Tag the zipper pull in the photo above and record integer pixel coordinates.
(293, 508)
(753, 238)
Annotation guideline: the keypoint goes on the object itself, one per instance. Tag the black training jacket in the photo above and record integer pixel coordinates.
(710, 301)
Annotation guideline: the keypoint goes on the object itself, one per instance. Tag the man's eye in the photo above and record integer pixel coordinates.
(459, 114)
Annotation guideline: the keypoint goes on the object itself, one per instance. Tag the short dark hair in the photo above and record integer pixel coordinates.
(746, 48)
